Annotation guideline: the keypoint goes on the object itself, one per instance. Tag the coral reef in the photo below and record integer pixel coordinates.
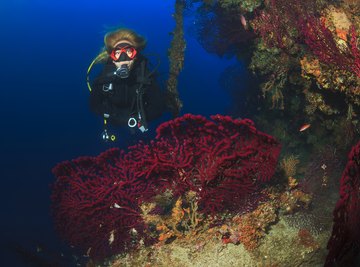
(329, 50)
(257, 236)
(301, 85)
(218, 160)
(248, 229)
(273, 64)
(306, 239)
(277, 23)
(180, 199)
(333, 39)
(209, 166)
(312, 78)
(244, 6)
(95, 202)
(344, 244)
(316, 101)
(289, 165)
(184, 219)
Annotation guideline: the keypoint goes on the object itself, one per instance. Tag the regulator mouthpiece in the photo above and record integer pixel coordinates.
(123, 72)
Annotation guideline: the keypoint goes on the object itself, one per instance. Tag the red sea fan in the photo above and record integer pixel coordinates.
(277, 23)
(229, 158)
(95, 203)
(96, 200)
(322, 43)
(345, 238)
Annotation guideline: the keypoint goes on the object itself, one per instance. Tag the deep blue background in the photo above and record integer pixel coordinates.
(46, 47)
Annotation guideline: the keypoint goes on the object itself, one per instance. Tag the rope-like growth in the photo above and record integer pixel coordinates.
(176, 59)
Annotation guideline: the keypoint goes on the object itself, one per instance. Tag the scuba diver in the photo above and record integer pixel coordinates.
(126, 91)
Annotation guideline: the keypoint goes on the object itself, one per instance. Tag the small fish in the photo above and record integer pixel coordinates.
(243, 21)
(304, 127)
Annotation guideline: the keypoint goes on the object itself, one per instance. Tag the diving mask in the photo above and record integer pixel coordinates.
(123, 52)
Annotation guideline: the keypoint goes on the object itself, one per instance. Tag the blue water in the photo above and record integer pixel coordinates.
(46, 47)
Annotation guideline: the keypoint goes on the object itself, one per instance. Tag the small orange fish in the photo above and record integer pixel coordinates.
(304, 127)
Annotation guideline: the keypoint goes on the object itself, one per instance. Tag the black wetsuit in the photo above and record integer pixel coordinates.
(121, 102)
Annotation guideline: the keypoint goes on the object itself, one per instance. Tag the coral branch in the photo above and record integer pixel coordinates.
(345, 238)
(322, 43)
